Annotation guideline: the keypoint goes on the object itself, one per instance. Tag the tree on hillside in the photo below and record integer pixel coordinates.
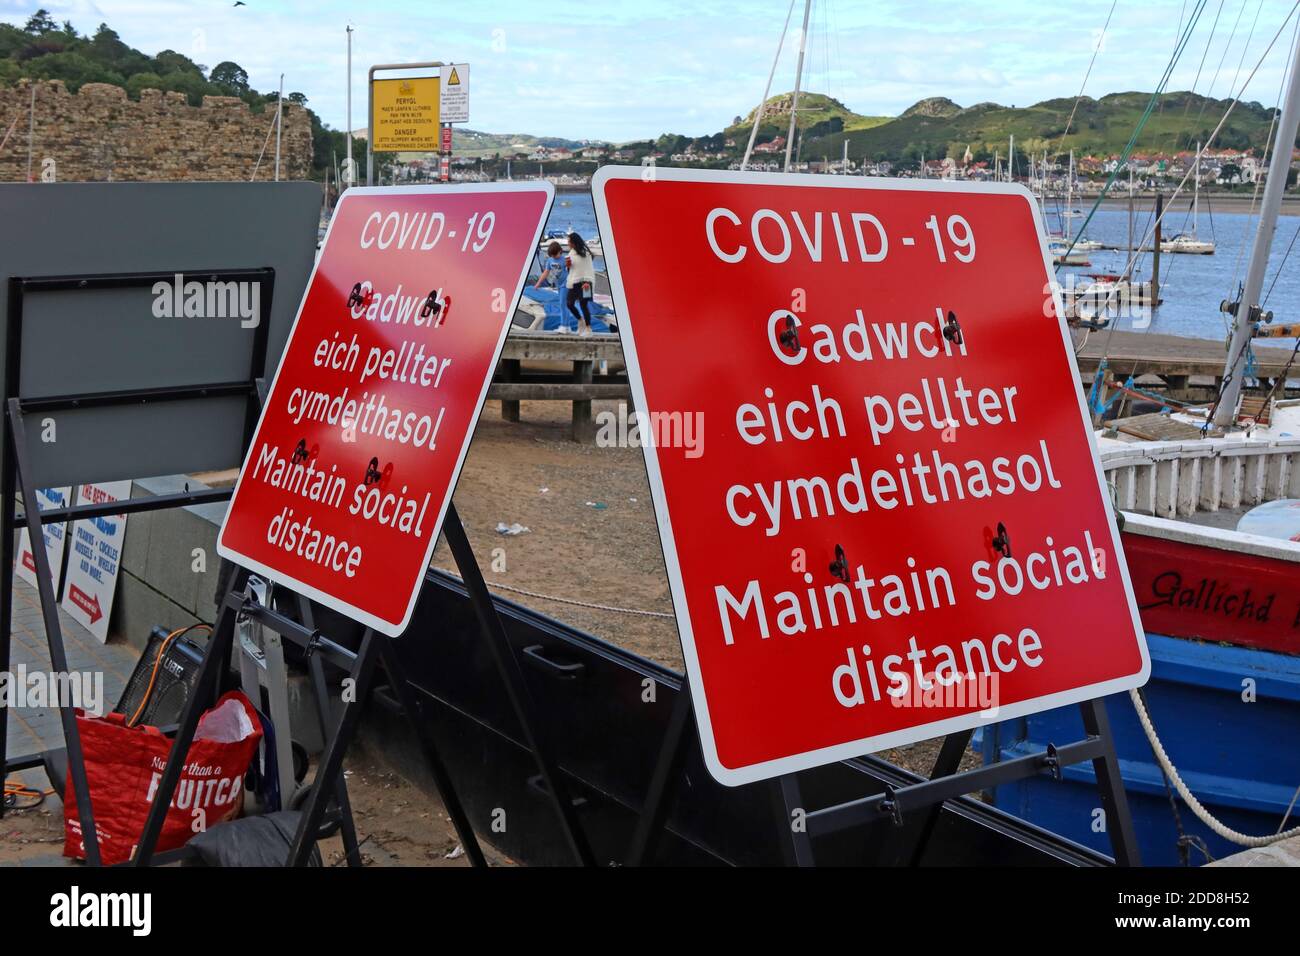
(107, 48)
(169, 61)
(40, 23)
(231, 77)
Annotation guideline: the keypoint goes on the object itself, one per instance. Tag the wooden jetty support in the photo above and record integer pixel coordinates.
(544, 366)
(1173, 358)
(562, 368)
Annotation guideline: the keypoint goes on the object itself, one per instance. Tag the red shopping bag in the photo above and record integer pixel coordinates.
(124, 766)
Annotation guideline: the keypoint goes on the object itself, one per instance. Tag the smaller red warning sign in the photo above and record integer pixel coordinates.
(367, 423)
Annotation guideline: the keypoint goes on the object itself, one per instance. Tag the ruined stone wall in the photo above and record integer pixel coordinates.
(98, 134)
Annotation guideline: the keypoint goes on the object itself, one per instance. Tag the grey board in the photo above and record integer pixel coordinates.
(108, 339)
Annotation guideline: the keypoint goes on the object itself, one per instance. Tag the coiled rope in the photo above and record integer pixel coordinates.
(1189, 798)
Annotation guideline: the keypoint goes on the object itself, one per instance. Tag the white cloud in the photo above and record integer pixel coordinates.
(634, 68)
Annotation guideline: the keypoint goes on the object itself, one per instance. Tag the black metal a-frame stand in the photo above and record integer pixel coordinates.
(376, 650)
(17, 477)
(914, 810)
(216, 672)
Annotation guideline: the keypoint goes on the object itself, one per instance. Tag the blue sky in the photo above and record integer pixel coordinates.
(625, 69)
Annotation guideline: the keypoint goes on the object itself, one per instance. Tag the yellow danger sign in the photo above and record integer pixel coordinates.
(454, 79)
(405, 114)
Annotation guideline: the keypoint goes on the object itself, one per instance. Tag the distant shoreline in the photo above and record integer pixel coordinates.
(1211, 202)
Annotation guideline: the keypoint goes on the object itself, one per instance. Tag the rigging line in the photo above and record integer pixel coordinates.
(1277, 275)
(1213, 136)
(1169, 273)
(1180, 40)
(1142, 121)
(1231, 106)
(824, 21)
(1254, 197)
(1204, 53)
(1087, 73)
(1218, 69)
(1246, 49)
(1179, 31)
(758, 113)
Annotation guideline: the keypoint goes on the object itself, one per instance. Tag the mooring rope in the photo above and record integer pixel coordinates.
(1189, 798)
(573, 601)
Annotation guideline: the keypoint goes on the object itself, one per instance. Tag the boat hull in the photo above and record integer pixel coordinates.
(1222, 616)
(1235, 754)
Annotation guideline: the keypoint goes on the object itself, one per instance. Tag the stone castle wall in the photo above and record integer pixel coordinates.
(98, 134)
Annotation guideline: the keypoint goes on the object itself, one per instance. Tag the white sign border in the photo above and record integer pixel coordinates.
(343, 607)
(752, 773)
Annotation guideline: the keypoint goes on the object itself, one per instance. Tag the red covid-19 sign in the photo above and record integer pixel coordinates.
(367, 423)
(876, 485)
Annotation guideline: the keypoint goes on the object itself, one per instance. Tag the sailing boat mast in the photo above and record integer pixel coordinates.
(1248, 306)
(1069, 198)
(798, 76)
(1196, 189)
(758, 115)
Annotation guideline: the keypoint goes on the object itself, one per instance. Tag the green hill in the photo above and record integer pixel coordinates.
(1101, 127)
(819, 116)
(475, 143)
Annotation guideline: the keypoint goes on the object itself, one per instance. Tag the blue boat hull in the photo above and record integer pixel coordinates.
(1239, 756)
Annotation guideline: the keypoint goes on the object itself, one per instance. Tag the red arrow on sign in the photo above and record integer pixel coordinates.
(29, 561)
(87, 603)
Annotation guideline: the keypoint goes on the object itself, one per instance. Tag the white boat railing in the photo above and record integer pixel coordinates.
(1180, 478)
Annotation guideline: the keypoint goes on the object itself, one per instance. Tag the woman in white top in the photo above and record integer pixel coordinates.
(581, 282)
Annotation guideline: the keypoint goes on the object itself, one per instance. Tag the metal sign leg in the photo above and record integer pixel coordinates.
(375, 650)
(216, 657)
(320, 690)
(908, 845)
(9, 523)
(798, 848)
(1110, 784)
(658, 799)
(50, 611)
(331, 764)
(494, 633)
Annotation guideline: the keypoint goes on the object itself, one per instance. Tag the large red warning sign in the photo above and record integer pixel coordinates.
(876, 485)
(370, 415)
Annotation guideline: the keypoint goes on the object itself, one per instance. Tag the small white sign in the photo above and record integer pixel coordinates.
(54, 533)
(454, 99)
(95, 559)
